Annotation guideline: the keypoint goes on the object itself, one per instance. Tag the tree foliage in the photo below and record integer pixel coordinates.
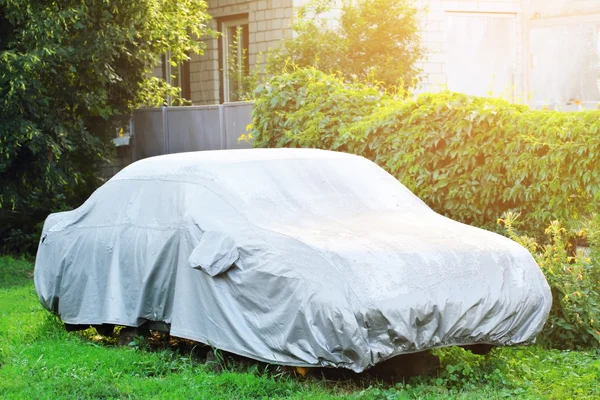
(375, 40)
(66, 68)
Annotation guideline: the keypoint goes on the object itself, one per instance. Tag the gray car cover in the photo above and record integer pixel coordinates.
(298, 257)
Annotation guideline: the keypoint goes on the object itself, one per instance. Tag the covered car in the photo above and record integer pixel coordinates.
(299, 257)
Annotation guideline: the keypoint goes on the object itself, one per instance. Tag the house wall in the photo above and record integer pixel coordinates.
(554, 57)
(269, 22)
(560, 8)
(507, 64)
(563, 45)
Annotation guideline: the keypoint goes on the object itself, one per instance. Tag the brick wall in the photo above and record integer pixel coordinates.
(270, 21)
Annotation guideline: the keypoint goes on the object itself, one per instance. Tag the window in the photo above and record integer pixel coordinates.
(178, 76)
(481, 53)
(233, 56)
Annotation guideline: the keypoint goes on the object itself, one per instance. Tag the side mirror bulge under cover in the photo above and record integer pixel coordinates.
(215, 253)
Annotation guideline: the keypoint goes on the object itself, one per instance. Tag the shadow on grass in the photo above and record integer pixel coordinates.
(15, 272)
(392, 371)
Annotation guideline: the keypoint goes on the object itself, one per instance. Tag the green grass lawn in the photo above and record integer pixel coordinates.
(39, 360)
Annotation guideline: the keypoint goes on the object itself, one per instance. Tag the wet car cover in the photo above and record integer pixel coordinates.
(292, 256)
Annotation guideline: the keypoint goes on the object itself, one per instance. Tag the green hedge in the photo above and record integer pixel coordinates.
(469, 158)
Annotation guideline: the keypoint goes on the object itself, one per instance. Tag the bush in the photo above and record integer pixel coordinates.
(308, 108)
(574, 279)
(469, 158)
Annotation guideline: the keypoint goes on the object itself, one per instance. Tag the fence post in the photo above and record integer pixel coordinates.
(222, 132)
(132, 137)
(165, 130)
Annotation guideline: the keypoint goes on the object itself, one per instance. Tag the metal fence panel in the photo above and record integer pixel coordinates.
(148, 133)
(178, 129)
(193, 129)
(236, 117)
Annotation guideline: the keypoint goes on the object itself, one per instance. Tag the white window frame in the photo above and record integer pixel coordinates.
(168, 74)
(225, 28)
